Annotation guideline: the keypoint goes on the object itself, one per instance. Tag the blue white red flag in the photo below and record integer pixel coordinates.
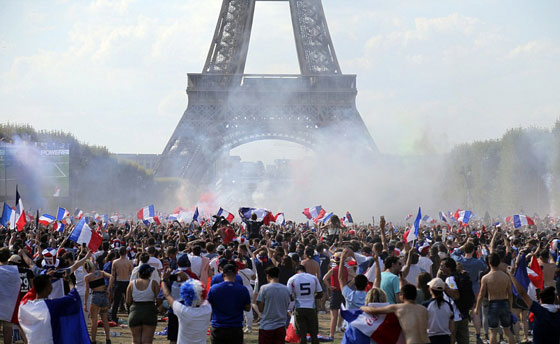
(363, 327)
(146, 212)
(58, 320)
(246, 212)
(349, 217)
(78, 214)
(442, 217)
(314, 212)
(327, 217)
(228, 216)
(62, 214)
(408, 217)
(8, 215)
(412, 234)
(522, 220)
(21, 219)
(463, 216)
(10, 282)
(280, 219)
(46, 219)
(83, 234)
(154, 219)
(428, 219)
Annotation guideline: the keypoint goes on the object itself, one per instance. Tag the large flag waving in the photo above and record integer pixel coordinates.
(57, 321)
(522, 220)
(363, 327)
(314, 212)
(412, 234)
(83, 234)
(10, 282)
(146, 212)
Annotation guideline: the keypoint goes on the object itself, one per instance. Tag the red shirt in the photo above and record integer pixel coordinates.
(334, 277)
(229, 235)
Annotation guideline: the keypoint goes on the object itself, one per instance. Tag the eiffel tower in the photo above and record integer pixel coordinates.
(228, 108)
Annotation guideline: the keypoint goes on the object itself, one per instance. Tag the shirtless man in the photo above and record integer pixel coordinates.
(311, 265)
(548, 269)
(498, 286)
(120, 276)
(412, 317)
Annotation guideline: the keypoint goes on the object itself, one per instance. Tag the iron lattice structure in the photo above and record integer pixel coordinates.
(228, 108)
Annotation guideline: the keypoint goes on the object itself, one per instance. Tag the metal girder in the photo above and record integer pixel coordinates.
(228, 108)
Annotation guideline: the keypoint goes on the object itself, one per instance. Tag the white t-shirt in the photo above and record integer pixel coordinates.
(425, 264)
(134, 274)
(450, 281)
(304, 286)
(370, 274)
(438, 318)
(193, 322)
(413, 273)
(196, 264)
(155, 263)
(35, 320)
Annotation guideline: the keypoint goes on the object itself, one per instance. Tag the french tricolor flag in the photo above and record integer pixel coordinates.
(83, 234)
(412, 234)
(327, 217)
(46, 219)
(229, 216)
(21, 220)
(363, 327)
(522, 220)
(349, 217)
(62, 214)
(314, 212)
(146, 212)
(463, 216)
(78, 214)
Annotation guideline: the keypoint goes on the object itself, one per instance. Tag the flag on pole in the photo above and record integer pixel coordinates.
(463, 216)
(442, 217)
(327, 217)
(280, 219)
(146, 212)
(21, 219)
(229, 216)
(195, 215)
(522, 220)
(412, 234)
(83, 234)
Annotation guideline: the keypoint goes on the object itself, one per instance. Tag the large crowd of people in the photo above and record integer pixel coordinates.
(454, 283)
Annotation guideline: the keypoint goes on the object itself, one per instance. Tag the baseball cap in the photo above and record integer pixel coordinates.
(15, 258)
(229, 268)
(437, 284)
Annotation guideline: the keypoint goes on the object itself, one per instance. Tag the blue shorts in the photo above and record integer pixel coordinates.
(99, 298)
(499, 314)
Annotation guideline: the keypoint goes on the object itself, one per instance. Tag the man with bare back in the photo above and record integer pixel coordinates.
(120, 276)
(498, 286)
(413, 318)
(548, 268)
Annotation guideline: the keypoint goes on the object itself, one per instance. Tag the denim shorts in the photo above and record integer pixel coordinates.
(499, 314)
(99, 298)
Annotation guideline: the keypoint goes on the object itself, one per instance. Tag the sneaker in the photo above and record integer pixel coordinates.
(329, 339)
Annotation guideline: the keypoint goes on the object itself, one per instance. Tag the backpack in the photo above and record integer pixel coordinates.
(467, 298)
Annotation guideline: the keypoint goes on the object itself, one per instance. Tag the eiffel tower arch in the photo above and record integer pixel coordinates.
(228, 108)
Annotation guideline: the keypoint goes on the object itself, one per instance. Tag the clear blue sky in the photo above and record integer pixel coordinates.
(431, 74)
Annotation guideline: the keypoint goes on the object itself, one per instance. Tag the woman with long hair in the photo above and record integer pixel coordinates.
(95, 280)
(141, 296)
